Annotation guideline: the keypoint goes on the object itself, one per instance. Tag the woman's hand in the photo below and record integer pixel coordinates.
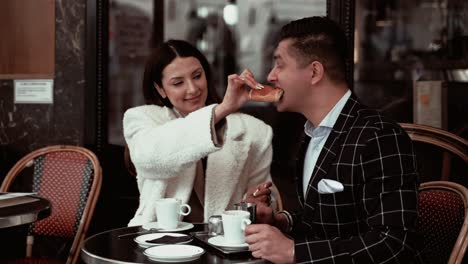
(249, 78)
(236, 93)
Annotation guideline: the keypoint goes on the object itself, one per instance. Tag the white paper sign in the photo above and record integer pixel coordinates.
(34, 91)
(430, 103)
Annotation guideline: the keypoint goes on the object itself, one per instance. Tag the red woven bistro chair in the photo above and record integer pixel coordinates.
(70, 178)
(443, 221)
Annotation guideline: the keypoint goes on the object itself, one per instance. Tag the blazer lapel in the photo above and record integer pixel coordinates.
(331, 148)
(300, 167)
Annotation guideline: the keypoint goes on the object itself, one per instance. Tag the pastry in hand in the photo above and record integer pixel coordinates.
(266, 94)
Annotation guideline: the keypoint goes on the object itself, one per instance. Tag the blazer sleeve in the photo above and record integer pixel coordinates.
(389, 201)
(168, 146)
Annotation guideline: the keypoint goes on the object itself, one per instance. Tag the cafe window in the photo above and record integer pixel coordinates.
(411, 60)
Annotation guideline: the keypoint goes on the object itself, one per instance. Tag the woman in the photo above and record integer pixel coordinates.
(185, 145)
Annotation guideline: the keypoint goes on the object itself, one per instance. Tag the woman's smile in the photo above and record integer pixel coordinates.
(193, 99)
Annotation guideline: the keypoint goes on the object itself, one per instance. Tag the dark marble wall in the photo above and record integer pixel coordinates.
(26, 127)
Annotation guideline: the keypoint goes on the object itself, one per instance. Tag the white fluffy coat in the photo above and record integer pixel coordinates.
(165, 150)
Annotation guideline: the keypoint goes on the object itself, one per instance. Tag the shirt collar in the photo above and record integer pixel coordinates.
(329, 121)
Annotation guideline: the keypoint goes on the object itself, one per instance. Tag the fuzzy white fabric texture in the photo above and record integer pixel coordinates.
(165, 150)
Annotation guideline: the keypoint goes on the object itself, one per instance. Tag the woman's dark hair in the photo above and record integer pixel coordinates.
(162, 56)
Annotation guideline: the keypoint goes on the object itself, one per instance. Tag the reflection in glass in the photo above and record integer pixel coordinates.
(399, 42)
(130, 27)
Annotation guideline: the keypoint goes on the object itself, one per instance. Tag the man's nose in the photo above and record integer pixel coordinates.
(272, 76)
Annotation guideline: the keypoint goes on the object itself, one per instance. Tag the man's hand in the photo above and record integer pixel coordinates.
(264, 213)
(261, 193)
(267, 242)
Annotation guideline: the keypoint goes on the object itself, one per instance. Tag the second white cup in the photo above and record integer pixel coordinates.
(234, 222)
(168, 212)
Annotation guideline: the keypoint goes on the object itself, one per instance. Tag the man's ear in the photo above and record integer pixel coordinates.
(316, 72)
(160, 90)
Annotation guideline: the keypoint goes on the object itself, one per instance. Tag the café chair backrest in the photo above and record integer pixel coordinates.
(433, 145)
(70, 178)
(131, 170)
(443, 221)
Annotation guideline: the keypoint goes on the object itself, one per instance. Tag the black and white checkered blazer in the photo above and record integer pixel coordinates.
(373, 219)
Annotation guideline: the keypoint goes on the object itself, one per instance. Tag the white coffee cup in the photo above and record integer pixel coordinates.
(168, 212)
(234, 222)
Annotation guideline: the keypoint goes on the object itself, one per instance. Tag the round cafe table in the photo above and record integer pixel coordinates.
(23, 210)
(107, 247)
(15, 215)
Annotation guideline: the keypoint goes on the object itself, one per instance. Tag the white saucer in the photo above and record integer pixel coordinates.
(181, 227)
(141, 240)
(219, 241)
(174, 253)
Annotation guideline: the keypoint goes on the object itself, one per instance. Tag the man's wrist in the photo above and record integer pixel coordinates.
(283, 220)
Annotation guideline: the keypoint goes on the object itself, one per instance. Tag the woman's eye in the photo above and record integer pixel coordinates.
(198, 76)
(177, 84)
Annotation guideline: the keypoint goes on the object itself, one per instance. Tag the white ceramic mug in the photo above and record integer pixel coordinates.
(249, 207)
(168, 211)
(234, 222)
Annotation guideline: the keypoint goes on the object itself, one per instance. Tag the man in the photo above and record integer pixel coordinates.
(357, 178)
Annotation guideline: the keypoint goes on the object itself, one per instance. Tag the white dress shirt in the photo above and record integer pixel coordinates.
(318, 137)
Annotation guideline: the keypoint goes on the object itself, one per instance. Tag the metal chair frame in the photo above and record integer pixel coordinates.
(442, 139)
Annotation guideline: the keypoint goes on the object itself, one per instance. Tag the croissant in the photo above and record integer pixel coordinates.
(266, 94)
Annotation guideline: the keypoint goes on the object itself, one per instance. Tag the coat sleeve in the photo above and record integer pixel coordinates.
(160, 148)
(389, 202)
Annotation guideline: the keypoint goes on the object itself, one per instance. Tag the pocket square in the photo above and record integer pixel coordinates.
(329, 186)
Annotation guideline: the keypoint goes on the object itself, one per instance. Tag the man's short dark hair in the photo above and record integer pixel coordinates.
(318, 39)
